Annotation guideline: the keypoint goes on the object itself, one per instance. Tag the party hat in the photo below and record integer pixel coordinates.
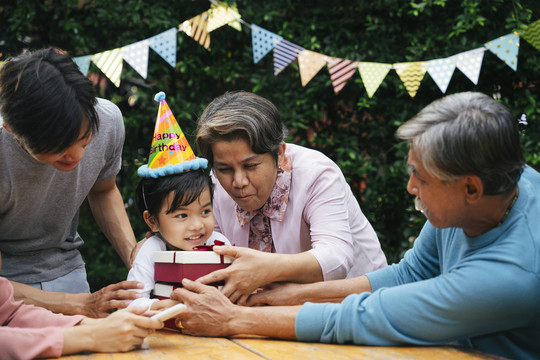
(170, 152)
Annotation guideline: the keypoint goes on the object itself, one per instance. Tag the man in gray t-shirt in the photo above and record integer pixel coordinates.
(58, 145)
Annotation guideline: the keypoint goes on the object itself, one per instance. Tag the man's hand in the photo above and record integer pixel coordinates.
(136, 249)
(115, 296)
(208, 312)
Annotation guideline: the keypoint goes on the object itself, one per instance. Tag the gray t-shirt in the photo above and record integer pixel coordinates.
(39, 205)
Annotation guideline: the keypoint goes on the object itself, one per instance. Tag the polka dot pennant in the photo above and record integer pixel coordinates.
(441, 71)
(411, 73)
(309, 64)
(136, 55)
(505, 48)
(470, 62)
(372, 75)
(263, 41)
(532, 34)
(164, 44)
(83, 62)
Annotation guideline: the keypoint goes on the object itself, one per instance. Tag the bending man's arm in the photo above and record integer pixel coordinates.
(110, 214)
(97, 304)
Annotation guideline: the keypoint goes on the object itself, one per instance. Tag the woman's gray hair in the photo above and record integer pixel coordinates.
(240, 115)
(467, 133)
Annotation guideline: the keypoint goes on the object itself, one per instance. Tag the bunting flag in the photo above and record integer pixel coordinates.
(136, 55)
(505, 48)
(340, 71)
(164, 44)
(532, 34)
(309, 64)
(110, 63)
(285, 52)
(372, 75)
(196, 29)
(83, 62)
(470, 62)
(441, 71)
(262, 42)
(411, 73)
(222, 14)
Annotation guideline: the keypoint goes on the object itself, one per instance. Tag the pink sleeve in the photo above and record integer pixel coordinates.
(28, 331)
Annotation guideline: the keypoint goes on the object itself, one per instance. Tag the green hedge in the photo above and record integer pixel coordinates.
(354, 130)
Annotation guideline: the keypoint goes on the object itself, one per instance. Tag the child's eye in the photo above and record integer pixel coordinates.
(207, 211)
(181, 216)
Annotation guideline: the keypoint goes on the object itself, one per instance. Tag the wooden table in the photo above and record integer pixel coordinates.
(166, 344)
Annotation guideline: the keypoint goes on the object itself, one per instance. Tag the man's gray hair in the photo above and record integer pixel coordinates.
(240, 115)
(467, 134)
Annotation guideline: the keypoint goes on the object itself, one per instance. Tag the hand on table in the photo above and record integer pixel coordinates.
(115, 296)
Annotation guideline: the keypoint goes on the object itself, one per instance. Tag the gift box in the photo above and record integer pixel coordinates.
(163, 291)
(173, 266)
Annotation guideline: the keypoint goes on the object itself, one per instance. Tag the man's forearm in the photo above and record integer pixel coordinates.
(333, 291)
(57, 302)
(271, 321)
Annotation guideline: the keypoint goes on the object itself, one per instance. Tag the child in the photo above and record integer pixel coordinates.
(175, 199)
(178, 210)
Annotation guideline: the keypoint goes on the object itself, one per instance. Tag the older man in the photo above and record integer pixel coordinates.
(472, 275)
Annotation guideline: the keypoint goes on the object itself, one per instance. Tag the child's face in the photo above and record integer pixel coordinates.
(186, 227)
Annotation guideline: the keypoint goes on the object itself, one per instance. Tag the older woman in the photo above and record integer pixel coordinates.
(278, 198)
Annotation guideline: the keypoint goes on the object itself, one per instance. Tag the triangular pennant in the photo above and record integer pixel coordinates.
(164, 44)
(170, 152)
(505, 48)
(532, 34)
(136, 55)
(196, 29)
(441, 71)
(470, 62)
(340, 71)
(221, 14)
(110, 63)
(372, 75)
(411, 73)
(83, 62)
(309, 64)
(285, 52)
(262, 42)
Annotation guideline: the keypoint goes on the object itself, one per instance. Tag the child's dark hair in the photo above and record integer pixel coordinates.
(187, 187)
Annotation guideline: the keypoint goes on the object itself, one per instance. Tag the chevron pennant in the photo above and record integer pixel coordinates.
(285, 53)
(196, 29)
(411, 74)
(340, 71)
(532, 34)
(110, 62)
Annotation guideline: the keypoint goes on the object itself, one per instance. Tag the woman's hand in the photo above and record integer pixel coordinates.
(249, 270)
(115, 296)
(121, 331)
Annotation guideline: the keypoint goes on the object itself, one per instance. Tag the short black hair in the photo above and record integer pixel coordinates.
(45, 100)
(187, 187)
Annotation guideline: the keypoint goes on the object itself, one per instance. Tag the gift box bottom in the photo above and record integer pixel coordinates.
(174, 272)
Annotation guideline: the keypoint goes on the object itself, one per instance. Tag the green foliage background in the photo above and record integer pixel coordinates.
(355, 131)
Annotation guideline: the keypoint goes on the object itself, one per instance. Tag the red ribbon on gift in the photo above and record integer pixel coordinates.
(210, 248)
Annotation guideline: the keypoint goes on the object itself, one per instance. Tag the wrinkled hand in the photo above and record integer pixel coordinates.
(115, 296)
(122, 331)
(208, 311)
(277, 294)
(249, 270)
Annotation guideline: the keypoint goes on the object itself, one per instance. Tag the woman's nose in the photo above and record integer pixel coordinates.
(240, 179)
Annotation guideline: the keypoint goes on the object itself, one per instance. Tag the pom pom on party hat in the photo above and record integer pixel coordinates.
(170, 152)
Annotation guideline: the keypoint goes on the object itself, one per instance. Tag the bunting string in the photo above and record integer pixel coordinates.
(285, 52)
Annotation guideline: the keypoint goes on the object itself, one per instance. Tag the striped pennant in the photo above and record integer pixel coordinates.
(136, 55)
(340, 71)
(196, 29)
(222, 14)
(110, 63)
(164, 44)
(83, 62)
(285, 52)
